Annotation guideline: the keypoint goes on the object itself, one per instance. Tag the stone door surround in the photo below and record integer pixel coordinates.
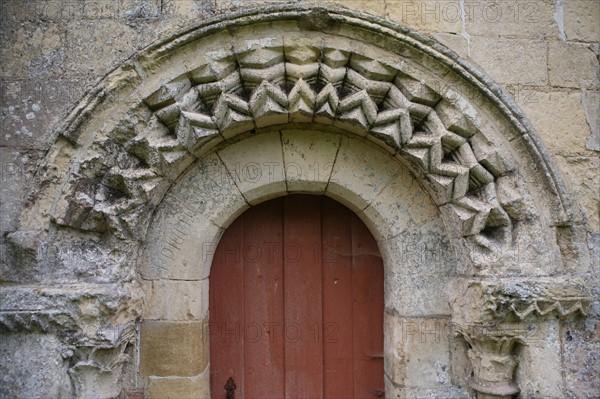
(178, 141)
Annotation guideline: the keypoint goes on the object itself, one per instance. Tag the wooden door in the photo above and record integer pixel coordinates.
(296, 303)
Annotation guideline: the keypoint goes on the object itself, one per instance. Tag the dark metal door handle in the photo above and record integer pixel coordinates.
(230, 388)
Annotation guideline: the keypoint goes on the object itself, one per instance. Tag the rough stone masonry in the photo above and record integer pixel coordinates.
(464, 133)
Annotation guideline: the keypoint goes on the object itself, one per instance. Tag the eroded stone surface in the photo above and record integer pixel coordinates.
(179, 388)
(256, 166)
(121, 151)
(309, 159)
(360, 172)
(33, 351)
(173, 348)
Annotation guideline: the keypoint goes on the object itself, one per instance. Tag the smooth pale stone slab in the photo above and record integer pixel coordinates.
(256, 166)
(309, 156)
(360, 173)
(402, 205)
(176, 300)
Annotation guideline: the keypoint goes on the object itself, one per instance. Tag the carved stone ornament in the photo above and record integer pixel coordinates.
(480, 307)
(172, 111)
(166, 109)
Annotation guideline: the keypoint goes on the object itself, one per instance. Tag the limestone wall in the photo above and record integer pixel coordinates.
(545, 53)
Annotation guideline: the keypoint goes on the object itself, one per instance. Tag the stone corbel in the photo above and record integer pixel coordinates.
(485, 313)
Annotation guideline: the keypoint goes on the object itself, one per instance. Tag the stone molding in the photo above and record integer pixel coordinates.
(125, 145)
(375, 93)
(480, 307)
(492, 301)
(89, 314)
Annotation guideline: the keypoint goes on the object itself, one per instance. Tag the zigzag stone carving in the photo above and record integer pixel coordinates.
(518, 299)
(237, 93)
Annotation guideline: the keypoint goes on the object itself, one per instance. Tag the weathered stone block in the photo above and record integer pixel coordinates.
(454, 42)
(93, 48)
(173, 348)
(542, 375)
(417, 351)
(581, 341)
(30, 106)
(187, 9)
(309, 157)
(426, 16)
(376, 7)
(511, 60)
(562, 131)
(582, 20)
(176, 300)
(256, 165)
(180, 388)
(423, 259)
(591, 106)
(583, 179)
(30, 49)
(515, 18)
(360, 172)
(182, 239)
(212, 190)
(17, 168)
(180, 246)
(402, 205)
(566, 58)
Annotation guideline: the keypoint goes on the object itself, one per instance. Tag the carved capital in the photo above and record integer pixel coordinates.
(493, 374)
(488, 314)
(492, 359)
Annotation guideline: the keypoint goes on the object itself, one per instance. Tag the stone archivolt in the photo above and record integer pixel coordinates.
(274, 86)
(109, 175)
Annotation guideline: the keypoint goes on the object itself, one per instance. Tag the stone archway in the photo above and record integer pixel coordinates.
(116, 177)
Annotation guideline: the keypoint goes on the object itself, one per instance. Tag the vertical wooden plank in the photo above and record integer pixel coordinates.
(303, 301)
(263, 293)
(338, 335)
(368, 312)
(227, 311)
(295, 316)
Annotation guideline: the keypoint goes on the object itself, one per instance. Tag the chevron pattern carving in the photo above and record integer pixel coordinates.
(274, 86)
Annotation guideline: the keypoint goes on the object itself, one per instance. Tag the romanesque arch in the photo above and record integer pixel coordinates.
(175, 143)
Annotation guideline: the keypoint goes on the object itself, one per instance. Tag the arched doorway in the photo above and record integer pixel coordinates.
(144, 170)
(296, 303)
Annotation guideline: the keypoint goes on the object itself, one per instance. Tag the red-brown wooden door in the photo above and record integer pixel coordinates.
(296, 303)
